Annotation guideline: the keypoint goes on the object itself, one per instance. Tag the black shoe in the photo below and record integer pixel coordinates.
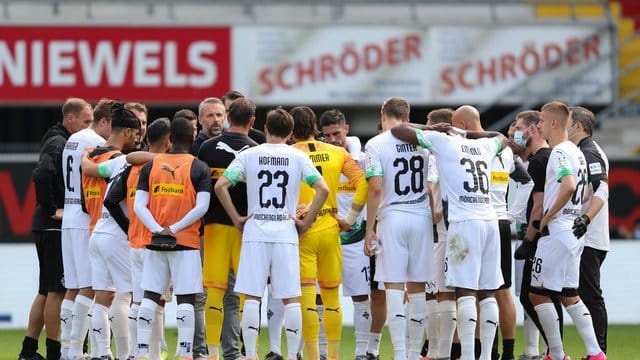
(273, 356)
(370, 356)
(36, 356)
(298, 356)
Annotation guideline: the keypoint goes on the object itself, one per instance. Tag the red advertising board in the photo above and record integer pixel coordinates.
(149, 64)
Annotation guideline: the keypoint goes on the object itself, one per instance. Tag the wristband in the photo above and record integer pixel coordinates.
(351, 217)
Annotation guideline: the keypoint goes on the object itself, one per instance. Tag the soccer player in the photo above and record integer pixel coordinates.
(142, 113)
(108, 245)
(273, 172)
(593, 224)
(557, 259)
(232, 95)
(503, 167)
(49, 184)
(473, 247)
(172, 195)
(320, 252)
(398, 199)
(441, 307)
(124, 187)
(355, 265)
(222, 240)
(75, 233)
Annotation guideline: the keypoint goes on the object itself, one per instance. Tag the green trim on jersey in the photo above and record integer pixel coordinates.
(233, 176)
(421, 142)
(499, 143)
(372, 171)
(311, 179)
(103, 169)
(563, 172)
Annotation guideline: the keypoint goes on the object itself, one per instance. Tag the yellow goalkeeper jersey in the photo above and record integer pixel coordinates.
(331, 161)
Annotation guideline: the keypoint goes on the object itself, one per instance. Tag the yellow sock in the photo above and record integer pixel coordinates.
(214, 315)
(310, 322)
(332, 320)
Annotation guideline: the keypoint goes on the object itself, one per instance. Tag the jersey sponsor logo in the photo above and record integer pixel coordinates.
(224, 147)
(595, 168)
(171, 171)
(216, 172)
(131, 193)
(168, 189)
(346, 187)
(499, 177)
(92, 192)
(71, 145)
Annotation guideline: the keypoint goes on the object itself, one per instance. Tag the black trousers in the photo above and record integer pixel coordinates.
(591, 293)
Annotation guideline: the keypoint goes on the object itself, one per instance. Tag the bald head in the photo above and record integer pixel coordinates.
(466, 117)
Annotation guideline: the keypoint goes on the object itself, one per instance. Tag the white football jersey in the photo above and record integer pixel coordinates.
(501, 166)
(464, 166)
(434, 178)
(74, 217)
(597, 235)
(404, 169)
(565, 160)
(273, 173)
(106, 224)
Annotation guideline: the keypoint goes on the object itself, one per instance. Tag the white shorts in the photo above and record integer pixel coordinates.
(355, 270)
(518, 268)
(137, 265)
(472, 257)
(75, 258)
(439, 249)
(407, 248)
(557, 262)
(181, 266)
(261, 260)
(110, 263)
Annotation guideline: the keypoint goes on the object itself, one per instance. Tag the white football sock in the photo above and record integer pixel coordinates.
(361, 324)
(531, 336)
(447, 320)
(293, 328)
(433, 328)
(66, 312)
(118, 312)
(275, 323)
(416, 321)
(101, 329)
(133, 329)
(467, 320)
(488, 324)
(582, 321)
(250, 327)
(373, 343)
(146, 315)
(185, 315)
(79, 325)
(549, 321)
(397, 322)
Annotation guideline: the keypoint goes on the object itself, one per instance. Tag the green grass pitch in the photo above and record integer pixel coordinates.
(624, 343)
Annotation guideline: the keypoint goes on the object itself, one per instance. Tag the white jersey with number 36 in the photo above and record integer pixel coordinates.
(464, 165)
(74, 217)
(273, 173)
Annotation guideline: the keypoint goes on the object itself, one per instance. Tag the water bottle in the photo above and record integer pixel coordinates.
(375, 246)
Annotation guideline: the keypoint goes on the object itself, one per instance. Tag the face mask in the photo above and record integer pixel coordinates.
(225, 124)
(570, 134)
(518, 138)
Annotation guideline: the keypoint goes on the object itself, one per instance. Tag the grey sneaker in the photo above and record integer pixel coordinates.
(361, 357)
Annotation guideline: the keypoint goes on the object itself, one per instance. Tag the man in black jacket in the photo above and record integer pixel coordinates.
(47, 176)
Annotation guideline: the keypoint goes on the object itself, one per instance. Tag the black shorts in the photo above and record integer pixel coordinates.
(505, 252)
(49, 249)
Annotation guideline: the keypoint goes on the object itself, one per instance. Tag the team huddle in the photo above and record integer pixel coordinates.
(415, 225)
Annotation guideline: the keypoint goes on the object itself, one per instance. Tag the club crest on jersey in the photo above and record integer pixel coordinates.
(168, 189)
(92, 192)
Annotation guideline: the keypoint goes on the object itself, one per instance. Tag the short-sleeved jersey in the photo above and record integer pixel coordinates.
(273, 173)
(464, 165)
(95, 188)
(597, 235)
(331, 161)
(404, 169)
(107, 224)
(565, 160)
(218, 153)
(434, 178)
(74, 217)
(172, 181)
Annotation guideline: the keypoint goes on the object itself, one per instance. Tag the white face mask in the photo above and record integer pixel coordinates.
(519, 139)
(570, 134)
(225, 123)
